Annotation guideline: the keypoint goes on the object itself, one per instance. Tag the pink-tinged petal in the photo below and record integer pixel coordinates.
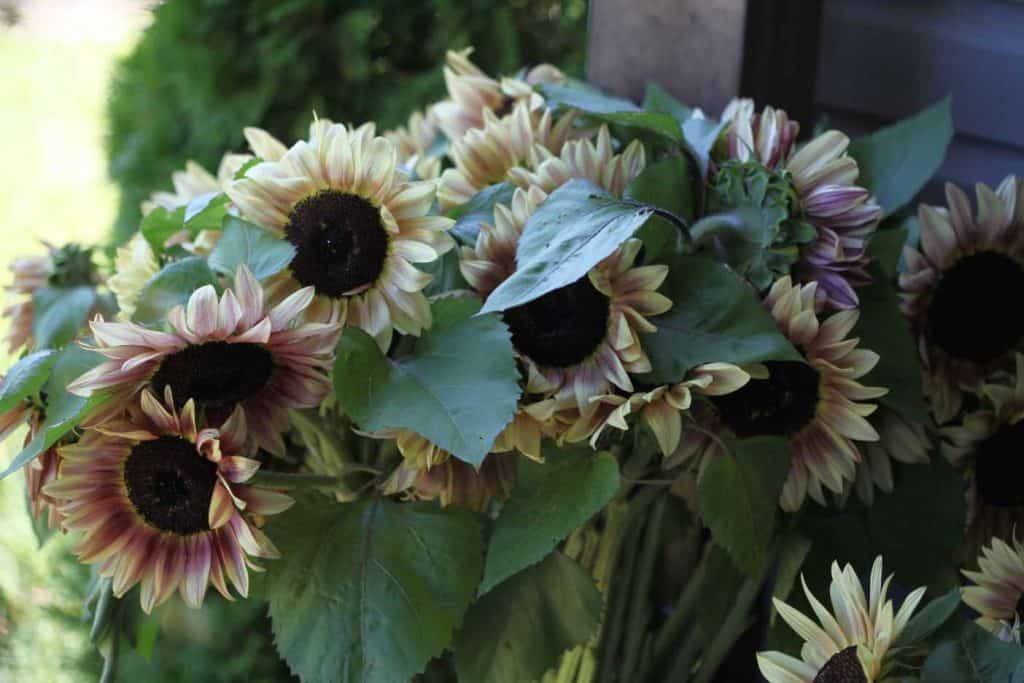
(228, 315)
(262, 501)
(197, 570)
(233, 431)
(165, 422)
(208, 444)
(233, 560)
(188, 420)
(216, 572)
(250, 297)
(201, 313)
(168, 574)
(291, 307)
(248, 541)
(257, 334)
(106, 374)
(237, 469)
(222, 506)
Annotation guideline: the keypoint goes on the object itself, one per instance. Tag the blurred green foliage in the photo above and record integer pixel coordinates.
(206, 68)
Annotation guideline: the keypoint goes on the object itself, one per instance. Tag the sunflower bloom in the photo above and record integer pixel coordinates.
(134, 264)
(824, 176)
(852, 643)
(900, 441)
(357, 224)
(413, 142)
(222, 353)
(165, 505)
(195, 181)
(998, 591)
(962, 261)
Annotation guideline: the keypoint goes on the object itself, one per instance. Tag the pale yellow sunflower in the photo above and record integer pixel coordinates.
(852, 643)
(998, 591)
(358, 225)
(963, 262)
(134, 264)
(413, 142)
(195, 181)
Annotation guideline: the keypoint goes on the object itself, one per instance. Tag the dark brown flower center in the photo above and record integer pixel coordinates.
(171, 485)
(842, 667)
(781, 405)
(505, 108)
(340, 242)
(999, 467)
(963, 318)
(215, 374)
(563, 327)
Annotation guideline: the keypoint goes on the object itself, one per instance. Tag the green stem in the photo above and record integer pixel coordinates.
(735, 625)
(683, 663)
(711, 225)
(287, 480)
(110, 661)
(640, 601)
(675, 220)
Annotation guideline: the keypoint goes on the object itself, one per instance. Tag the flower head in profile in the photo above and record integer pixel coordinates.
(817, 403)
(998, 591)
(40, 470)
(413, 143)
(963, 261)
(472, 93)
(842, 214)
(194, 181)
(357, 224)
(165, 505)
(222, 352)
(852, 642)
(134, 264)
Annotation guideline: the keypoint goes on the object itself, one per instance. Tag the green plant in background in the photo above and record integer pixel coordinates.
(206, 68)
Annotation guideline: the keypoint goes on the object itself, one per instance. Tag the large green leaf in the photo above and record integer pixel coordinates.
(159, 224)
(700, 135)
(519, 630)
(667, 184)
(25, 378)
(976, 656)
(171, 286)
(930, 619)
(658, 99)
(60, 313)
(246, 243)
(368, 592)
(882, 328)
(63, 409)
(479, 209)
(895, 162)
(446, 273)
(458, 386)
(738, 497)
(587, 99)
(206, 212)
(715, 316)
(576, 227)
(549, 501)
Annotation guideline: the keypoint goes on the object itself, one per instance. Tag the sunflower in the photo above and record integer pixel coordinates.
(998, 593)
(901, 440)
(429, 472)
(818, 405)
(473, 94)
(987, 444)
(222, 353)
(843, 214)
(195, 181)
(357, 225)
(42, 469)
(963, 260)
(852, 643)
(413, 142)
(134, 264)
(164, 504)
(486, 155)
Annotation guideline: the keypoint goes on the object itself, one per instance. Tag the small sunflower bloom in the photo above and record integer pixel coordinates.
(852, 643)
(413, 142)
(998, 591)
(134, 264)
(165, 505)
(195, 181)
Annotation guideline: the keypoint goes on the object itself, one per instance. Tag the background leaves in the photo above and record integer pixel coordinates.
(242, 242)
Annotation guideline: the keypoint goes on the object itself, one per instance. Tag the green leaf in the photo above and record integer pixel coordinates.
(700, 136)
(884, 329)
(63, 409)
(667, 184)
(895, 162)
(976, 656)
(368, 592)
(458, 387)
(928, 620)
(519, 630)
(479, 209)
(658, 99)
(576, 227)
(159, 224)
(171, 286)
(722, 581)
(587, 99)
(715, 316)
(793, 549)
(886, 247)
(549, 501)
(447, 276)
(246, 243)
(206, 212)
(246, 167)
(25, 378)
(738, 496)
(60, 313)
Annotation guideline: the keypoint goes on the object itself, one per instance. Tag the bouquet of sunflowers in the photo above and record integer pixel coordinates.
(549, 386)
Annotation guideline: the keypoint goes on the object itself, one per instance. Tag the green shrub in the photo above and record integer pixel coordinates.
(206, 68)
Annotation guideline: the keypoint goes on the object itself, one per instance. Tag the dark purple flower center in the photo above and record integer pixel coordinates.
(963, 317)
(781, 405)
(563, 327)
(842, 667)
(215, 374)
(171, 485)
(340, 242)
(999, 467)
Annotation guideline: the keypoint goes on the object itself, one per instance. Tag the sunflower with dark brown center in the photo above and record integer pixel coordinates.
(852, 643)
(358, 225)
(164, 504)
(964, 260)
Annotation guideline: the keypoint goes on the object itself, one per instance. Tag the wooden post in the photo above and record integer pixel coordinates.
(692, 48)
